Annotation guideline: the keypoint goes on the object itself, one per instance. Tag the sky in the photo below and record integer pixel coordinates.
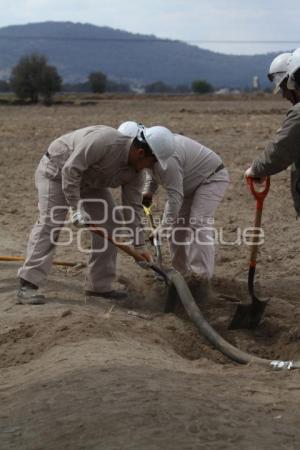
(224, 26)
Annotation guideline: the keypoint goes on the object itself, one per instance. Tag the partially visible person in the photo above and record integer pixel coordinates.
(278, 71)
(284, 149)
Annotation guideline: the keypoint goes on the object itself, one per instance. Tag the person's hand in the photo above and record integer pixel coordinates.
(146, 255)
(155, 234)
(249, 173)
(147, 199)
(147, 259)
(80, 218)
(153, 237)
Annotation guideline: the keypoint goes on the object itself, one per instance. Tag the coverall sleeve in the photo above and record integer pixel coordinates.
(283, 150)
(90, 151)
(150, 184)
(172, 180)
(132, 197)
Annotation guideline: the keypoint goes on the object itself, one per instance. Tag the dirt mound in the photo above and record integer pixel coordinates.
(276, 338)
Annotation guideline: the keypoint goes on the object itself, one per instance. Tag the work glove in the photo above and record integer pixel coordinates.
(80, 218)
(147, 199)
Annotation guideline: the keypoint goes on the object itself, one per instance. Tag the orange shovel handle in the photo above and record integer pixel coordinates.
(126, 248)
(259, 195)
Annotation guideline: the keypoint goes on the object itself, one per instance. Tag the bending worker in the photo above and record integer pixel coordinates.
(76, 172)
(284, 149)
(195, 180)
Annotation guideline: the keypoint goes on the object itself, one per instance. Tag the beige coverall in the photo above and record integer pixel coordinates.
(83, 165)
(194, 191)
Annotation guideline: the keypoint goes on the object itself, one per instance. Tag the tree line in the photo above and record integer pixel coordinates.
(33, 79)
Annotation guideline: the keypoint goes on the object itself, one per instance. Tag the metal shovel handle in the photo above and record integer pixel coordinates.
(156, 240)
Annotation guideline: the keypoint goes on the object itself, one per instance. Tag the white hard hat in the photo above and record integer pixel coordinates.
(130, 128)
(279, 69)
(161, 141)
(294, 65)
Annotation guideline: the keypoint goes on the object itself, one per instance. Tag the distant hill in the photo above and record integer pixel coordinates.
(77, 49)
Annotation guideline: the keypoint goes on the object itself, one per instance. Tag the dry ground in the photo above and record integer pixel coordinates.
(79, 374)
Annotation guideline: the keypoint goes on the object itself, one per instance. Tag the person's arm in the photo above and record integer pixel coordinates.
(150, 184)
(150, 187)
(132, 197)
(90, 151)
(172, 180)
(282, 151)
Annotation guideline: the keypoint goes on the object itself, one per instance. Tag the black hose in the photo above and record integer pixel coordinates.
(194, 313)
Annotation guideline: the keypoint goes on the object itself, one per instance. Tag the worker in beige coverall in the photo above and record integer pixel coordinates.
(195, 180)
(82, 165)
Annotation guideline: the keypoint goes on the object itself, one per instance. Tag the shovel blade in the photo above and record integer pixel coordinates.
(248, 316)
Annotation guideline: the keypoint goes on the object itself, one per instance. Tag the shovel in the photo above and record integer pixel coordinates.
(156, 241)
(130, 251)
(249, 315)
(172, 298)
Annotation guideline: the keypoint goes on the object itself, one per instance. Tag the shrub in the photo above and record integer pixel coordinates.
(201, 87)
(97, 82)
(32, 77)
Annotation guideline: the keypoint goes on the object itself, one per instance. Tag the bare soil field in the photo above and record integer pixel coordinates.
(83, 373)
